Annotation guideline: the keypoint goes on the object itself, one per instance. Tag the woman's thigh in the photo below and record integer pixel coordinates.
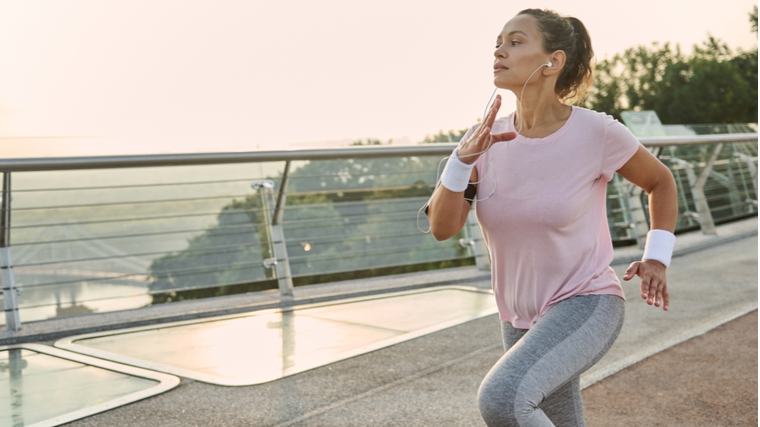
(572, 336)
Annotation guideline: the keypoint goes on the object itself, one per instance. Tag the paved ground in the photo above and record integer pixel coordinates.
(708, 379)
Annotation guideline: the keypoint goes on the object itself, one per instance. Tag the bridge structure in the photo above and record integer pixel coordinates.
(296, 288)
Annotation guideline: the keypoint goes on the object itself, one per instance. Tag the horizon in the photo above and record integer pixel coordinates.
(172, 77)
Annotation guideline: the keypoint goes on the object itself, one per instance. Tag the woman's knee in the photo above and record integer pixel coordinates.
(497, 401)
(505, 402)
(494, 401)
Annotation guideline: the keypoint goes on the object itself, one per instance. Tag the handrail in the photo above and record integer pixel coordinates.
(667, 141)
(339, 233)
(156, 160)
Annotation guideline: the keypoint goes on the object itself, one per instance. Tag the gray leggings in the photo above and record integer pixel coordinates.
(537, 381)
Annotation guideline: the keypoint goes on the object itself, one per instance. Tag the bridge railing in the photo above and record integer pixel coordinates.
(95, 234)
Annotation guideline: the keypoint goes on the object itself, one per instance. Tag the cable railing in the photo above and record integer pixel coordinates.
(96, 234)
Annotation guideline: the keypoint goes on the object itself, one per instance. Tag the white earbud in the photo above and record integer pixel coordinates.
(549, 64)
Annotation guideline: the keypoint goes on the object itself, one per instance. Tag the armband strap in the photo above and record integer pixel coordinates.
(456, 174)
(659, 246)
(469, 195)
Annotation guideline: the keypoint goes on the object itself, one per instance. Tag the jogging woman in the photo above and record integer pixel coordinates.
(539, 177)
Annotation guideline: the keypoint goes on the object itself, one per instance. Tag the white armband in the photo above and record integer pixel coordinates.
(659, 246)
(456, 174)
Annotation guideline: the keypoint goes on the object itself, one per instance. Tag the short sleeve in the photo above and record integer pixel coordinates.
(619, 146)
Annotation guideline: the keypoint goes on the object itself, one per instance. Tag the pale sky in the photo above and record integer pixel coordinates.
(149, 76)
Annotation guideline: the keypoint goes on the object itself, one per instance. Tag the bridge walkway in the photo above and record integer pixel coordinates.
(694, 365)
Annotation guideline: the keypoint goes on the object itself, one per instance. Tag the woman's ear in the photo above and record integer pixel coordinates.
(557, 61)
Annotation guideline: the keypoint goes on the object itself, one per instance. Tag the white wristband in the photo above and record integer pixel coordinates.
(659, 246)
(456, 174)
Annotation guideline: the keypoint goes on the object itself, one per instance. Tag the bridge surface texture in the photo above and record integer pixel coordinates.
(695, 365)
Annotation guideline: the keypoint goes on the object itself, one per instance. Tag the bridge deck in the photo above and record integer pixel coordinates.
(433, 379)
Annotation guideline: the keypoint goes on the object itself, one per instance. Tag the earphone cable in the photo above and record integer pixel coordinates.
(495, 182)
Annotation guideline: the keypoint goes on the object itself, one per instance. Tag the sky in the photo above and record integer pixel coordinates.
(96, 77)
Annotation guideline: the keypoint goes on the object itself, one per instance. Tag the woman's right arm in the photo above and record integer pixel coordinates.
(448, 209)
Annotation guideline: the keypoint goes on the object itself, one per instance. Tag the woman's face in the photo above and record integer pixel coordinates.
(519, 52)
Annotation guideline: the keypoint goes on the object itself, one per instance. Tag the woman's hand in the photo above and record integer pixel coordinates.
(482, 139)
(654, 285)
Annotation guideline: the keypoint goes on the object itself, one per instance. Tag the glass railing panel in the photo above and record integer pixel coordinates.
(729, 190)
(360, 214)
(104, 240)
(111, 239)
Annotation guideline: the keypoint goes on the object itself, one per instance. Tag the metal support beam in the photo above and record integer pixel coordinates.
(284, 279)
(638, 219)
(9, 288)
(697, 184)
(728, 182)
(273, 220)
(751, 166)
(636, 213)
(281, 195)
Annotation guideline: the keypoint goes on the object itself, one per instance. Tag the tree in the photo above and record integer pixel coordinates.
(712, 85)
(228, 253)
(441, 136)
(370, 141)
(342, 217)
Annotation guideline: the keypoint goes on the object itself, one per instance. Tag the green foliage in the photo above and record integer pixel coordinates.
(370, 141)
(351, 175)
(712, 85)
(227, 253)
(441, 136)
(343, 219)
(370, 203)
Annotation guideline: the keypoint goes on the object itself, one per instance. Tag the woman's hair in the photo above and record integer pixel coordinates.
(567, 34)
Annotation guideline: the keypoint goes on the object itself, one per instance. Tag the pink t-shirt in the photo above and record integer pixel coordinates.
(546, 222)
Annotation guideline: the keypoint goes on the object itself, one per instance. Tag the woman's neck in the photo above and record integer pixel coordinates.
(540, 114)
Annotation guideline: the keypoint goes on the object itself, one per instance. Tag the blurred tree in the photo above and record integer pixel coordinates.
(370, 141)
(441, 136)
(712, 85)
(333, 224)
(230, 252)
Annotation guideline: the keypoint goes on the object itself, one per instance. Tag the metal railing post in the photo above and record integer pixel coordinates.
(729, 183)
(636, 217)
(697, 184)
(284, 278)
(281, 194)
(273, 220)
(638, 220)
(752, 168)
(10, 290)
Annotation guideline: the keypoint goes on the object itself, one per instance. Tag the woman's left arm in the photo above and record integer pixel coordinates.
(647, 172)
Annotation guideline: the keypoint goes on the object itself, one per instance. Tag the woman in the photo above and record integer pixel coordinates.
(539, 177)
